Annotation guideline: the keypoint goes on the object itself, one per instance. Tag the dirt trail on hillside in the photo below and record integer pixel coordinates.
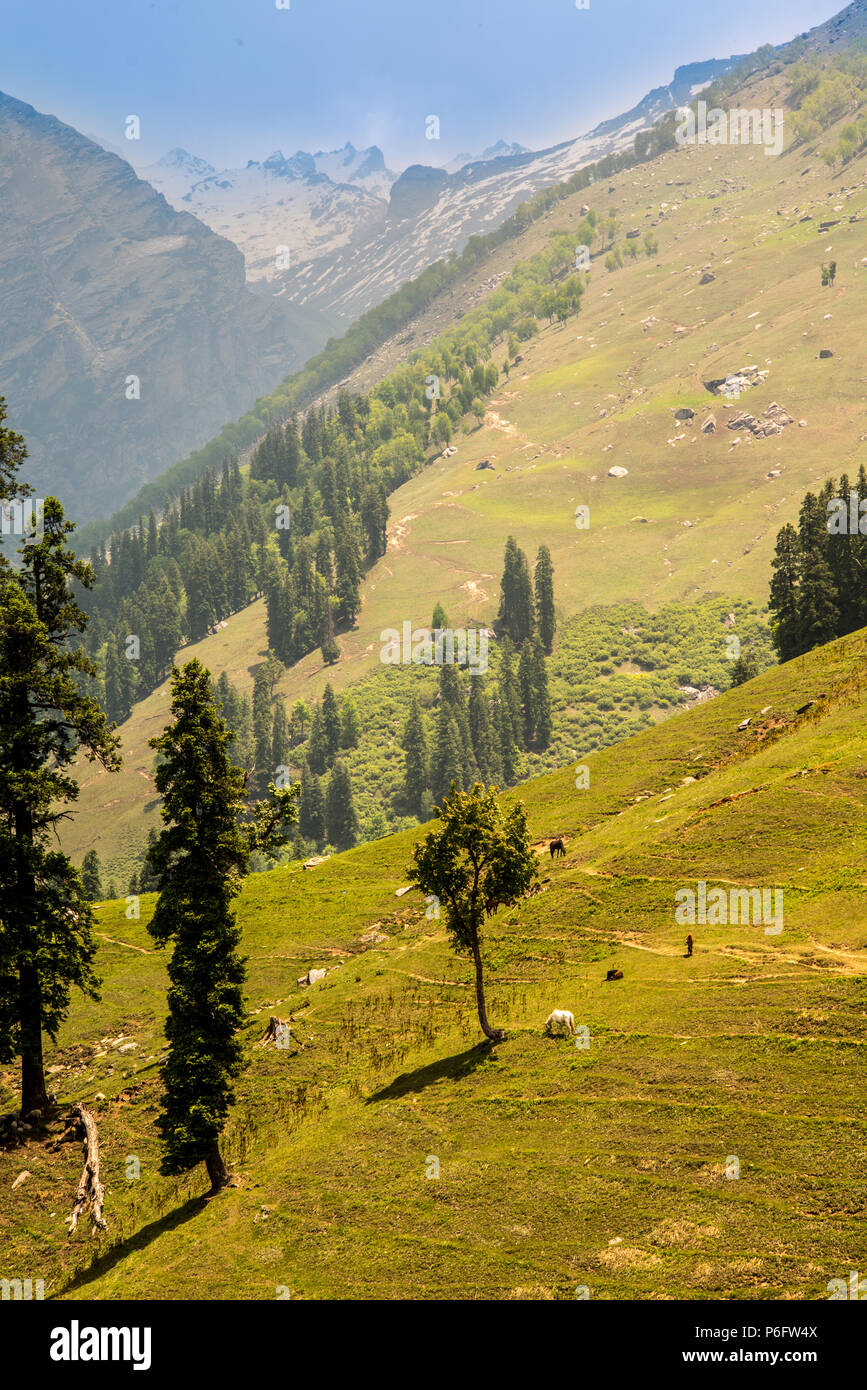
(128, 944)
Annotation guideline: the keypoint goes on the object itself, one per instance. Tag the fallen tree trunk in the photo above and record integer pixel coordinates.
(90, 1189)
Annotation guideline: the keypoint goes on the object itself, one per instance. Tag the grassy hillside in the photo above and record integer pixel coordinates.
(598, 391)
(560, 1168)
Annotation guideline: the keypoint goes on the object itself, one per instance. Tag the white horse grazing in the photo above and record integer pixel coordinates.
(559, 1021)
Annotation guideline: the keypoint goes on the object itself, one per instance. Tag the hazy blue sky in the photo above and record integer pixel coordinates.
(235, 79)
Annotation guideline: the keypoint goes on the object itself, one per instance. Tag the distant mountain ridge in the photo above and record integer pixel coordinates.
(129, 333)
(310, 205)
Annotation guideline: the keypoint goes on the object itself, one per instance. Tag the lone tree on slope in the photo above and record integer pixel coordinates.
(200, 857)
(476, 861)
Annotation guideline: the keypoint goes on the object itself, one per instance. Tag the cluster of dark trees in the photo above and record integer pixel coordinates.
(312, 515)
(817, 588)
(479, 731)
(327, 808)
(527, 607)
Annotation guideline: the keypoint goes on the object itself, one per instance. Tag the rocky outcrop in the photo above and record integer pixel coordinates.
(774, 421)
(130, 336)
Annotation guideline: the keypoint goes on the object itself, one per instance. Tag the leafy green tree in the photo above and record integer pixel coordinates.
(209, 836)
(416, 760)
(476, 861)
(341, 822)
(440, 620)
(46, 721)
(90, 876)
(546, 621)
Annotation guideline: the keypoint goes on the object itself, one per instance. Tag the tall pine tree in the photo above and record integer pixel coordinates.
(416, 761)
(200, 857)
(46, 941)
(546, 622)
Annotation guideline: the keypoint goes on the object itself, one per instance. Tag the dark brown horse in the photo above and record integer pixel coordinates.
(557, 847)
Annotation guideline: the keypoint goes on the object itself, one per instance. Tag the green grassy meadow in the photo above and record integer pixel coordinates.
(561, 1168)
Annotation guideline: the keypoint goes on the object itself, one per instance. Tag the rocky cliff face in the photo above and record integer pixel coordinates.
(128, 334)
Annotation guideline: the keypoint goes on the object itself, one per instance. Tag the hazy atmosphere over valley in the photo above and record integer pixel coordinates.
(433, 673)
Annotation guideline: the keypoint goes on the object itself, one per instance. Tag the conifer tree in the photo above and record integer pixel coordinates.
(510, 694)
(311, 821)
(330, 724)
(528, 685)
(90, 876)
(46, 940)
(298, 723)
(350, 726)
(546, 622)
(340, 818)
(487, 756)
(516, 618)
(261, 730)
(279, 734)
(446, 767)
(783, 602)
(818, 608)
(416, 761)
(328, 642)
(744, 669)
(348, 565)
(506, 739)
(200, 856)
(542, 697)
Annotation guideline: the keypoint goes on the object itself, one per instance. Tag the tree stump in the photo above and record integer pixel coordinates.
(278, 1032)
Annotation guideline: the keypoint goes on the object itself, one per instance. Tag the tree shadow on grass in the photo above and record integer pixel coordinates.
(447, 1069)
(140, 1241)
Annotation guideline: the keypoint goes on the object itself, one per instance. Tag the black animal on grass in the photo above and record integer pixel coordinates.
(557, 847)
